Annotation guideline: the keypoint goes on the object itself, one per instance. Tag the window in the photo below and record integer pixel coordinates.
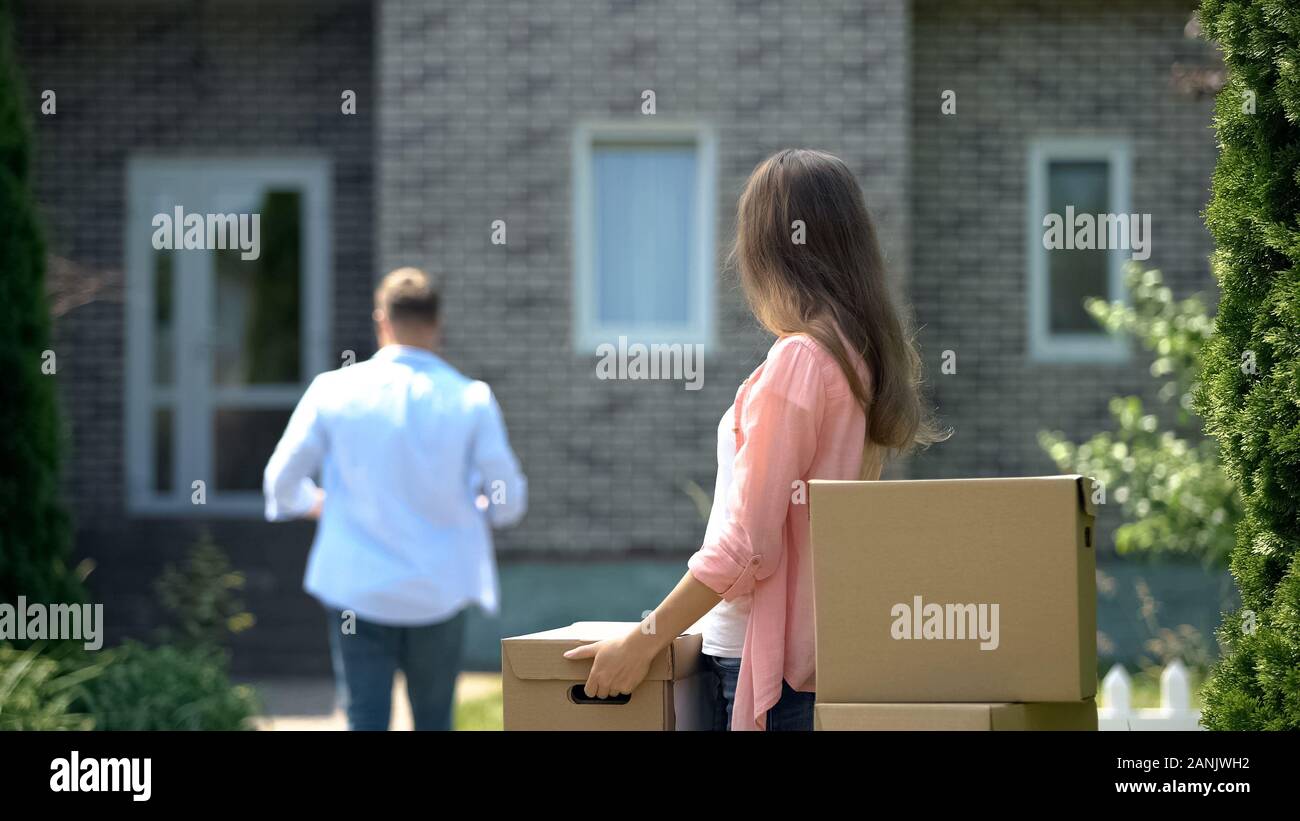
(643, 234)
(1073, 178)
(228, 283)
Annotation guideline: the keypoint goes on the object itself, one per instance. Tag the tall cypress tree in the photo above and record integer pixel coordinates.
(1250, 387)
(34, 532)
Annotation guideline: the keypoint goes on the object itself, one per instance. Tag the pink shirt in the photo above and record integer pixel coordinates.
(796, 420)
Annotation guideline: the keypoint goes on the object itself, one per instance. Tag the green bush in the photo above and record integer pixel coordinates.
(1250, 389)
(1156, 465)
(35, 538)
(202, 598)
(38, 688)
(131, 687)
(182, 684)
(166, 688)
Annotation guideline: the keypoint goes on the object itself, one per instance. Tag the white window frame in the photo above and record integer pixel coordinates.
(587, 332)
(1045, 346)
(192, 392)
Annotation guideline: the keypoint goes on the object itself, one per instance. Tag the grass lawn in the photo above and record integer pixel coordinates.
(478, 703)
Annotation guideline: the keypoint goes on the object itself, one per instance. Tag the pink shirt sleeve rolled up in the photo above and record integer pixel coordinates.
(796, 420)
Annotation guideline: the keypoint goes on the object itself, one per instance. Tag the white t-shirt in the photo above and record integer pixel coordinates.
(724, 626)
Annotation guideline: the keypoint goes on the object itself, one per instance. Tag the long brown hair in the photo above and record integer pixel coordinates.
(833, 279)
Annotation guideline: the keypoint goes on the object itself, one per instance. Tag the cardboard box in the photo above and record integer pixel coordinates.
(1061, 715)
(980, 590)
(542, 690)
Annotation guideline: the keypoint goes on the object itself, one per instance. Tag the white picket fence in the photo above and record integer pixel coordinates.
(1174, 713)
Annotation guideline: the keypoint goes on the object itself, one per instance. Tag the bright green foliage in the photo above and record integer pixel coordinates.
(1163, 474)
(1250, 389)
(38, 690)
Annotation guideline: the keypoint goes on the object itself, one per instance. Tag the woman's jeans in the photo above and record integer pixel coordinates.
(364, 663)
(794, 711)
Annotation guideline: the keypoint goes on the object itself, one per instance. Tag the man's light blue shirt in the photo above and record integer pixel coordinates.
(416, 469)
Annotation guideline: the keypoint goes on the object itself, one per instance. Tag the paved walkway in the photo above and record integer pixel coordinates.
(308, 703)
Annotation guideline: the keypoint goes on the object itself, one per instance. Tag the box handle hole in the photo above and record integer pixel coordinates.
(1087, 537)
(578, 696)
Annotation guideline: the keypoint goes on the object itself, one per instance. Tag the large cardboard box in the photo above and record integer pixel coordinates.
(1059, 715)
(542, 690)
(979, 590)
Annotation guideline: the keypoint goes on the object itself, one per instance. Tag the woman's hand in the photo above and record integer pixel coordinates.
(619, 665)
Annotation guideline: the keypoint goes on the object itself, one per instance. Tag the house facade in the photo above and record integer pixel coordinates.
(571, 169)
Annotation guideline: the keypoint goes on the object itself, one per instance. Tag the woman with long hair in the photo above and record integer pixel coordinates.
(838, 394)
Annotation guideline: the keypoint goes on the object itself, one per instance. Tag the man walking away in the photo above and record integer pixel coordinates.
(415, 470)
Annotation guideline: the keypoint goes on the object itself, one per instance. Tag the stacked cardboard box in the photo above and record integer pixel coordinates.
(955, 604)
(542, 690)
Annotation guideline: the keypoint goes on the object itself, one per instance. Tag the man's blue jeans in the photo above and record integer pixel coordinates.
(364, 663)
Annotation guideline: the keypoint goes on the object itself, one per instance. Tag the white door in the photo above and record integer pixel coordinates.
(225, 327)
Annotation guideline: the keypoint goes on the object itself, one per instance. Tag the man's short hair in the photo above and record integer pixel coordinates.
(408, 296)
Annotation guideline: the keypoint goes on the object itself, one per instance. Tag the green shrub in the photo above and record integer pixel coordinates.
(201, 597)
(37, 690)
(179, 685)
(35, 538)
(131, 687)
(1250, 389)
(166, 688)
(1157, 466)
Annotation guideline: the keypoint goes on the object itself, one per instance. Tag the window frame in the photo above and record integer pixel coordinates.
(1083, 348)
(588, 333)
(194, 299)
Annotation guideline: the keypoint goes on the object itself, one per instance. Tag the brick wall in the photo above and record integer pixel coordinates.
(477, 112)
(1020, 70)
(230, 78)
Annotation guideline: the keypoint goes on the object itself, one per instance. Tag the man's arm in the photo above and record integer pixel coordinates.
(495, 465)
(287, 484)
